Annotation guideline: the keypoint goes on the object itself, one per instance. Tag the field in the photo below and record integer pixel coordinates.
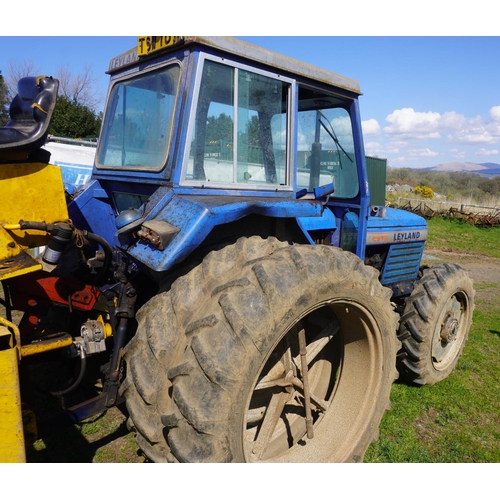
(457, 420)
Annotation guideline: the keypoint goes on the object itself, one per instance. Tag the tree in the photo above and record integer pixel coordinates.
(74, 115)
(16, 71)
(396, 175)
(72, 119)
(490, 186)
(253, 131)
(81, 87)
(219, 128)
(4, 102)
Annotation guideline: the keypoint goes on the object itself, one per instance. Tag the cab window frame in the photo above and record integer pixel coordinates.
(234, 182)
(166, 150)
(339, 156)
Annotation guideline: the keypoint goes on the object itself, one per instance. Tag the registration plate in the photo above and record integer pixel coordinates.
(148, 44)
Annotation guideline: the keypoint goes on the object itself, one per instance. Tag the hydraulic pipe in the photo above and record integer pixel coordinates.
(76, 383)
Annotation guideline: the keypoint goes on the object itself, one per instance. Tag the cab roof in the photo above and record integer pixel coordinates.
(248, 51)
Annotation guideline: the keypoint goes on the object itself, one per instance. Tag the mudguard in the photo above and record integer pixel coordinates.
(196, 216)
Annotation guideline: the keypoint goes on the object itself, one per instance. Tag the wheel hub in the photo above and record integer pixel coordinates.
(449, 329)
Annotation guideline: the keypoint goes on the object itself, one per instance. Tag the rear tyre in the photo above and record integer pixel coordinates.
(435, 324)
(160, 337)
(290, 359)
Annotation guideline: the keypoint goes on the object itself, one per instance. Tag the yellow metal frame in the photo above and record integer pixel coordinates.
(12, 448)
(30, 192)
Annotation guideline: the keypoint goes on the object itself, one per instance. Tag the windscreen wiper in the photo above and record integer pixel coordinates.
(332, 134)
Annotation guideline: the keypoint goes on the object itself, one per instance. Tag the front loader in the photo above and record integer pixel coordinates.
(39, 306)
(224, 262)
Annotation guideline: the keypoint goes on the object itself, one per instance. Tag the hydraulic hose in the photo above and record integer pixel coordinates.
(76, 383)
(108, 252)
(61, 234)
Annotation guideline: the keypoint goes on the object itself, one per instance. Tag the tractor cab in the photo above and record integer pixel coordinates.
(205, 139)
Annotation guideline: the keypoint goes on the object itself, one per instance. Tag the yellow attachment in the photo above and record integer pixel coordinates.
(108, 329)
(12, 448)
(64, 340)
(14, 340)
(37, 106)
(18, 262)
(10, 227)
(30, 192)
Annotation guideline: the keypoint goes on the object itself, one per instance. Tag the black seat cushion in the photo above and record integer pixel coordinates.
(30, 113)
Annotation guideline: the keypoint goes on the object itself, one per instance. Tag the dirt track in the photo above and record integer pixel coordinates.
(483, 270)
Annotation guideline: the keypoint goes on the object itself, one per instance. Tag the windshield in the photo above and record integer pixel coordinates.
(138, 121)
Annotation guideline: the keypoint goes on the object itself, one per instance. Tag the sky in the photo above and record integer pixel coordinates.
(427, 100)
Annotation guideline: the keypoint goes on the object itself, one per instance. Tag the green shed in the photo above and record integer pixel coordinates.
(377, 175)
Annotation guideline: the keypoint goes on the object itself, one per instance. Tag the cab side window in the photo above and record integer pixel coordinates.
(325, 144)
(241, 128)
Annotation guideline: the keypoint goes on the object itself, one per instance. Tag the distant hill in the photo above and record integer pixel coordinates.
(483, 169)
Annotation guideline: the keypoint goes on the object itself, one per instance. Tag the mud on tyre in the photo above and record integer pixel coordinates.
(161, 335)
(435, 324)
(288, 357)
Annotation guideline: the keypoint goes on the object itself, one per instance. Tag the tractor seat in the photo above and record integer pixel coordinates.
(30, 113)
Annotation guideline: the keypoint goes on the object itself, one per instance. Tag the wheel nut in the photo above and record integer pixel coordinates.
(449, 330)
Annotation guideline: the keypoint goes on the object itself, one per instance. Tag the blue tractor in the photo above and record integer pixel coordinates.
(258, 306)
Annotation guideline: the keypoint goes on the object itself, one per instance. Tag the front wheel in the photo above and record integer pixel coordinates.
(435, 324)
(291, 359)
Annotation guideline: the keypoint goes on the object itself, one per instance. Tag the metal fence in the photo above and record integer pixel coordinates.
(443, 206)
(484, 217)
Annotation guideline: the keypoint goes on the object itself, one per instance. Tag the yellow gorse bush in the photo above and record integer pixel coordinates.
(424, 191)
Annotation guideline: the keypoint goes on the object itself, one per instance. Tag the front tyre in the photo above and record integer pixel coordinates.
(435, 324)
(291, 360)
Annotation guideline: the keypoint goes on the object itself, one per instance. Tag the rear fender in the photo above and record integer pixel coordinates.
(196, 216)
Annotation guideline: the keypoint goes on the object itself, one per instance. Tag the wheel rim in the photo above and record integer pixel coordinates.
(449, 334)
(297, 396)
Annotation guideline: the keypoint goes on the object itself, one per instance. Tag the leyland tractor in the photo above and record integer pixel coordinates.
(223, 266)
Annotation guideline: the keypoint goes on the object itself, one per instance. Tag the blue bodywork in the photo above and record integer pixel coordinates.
(404, 235)
(117, 203)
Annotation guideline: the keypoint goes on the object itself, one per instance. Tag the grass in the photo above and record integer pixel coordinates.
(457, 236)
(457, 420)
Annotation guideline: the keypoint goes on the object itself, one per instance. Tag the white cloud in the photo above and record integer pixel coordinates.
(373, 149)
(476, 130)
(396, 144)
(495, 113)
(408, 132)
(422, 152)
(474, 135)
(411, 124)
(487, 152)
(370, 127)
(400, 161)
(451, 120)
(393, 149)
(458, 154)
